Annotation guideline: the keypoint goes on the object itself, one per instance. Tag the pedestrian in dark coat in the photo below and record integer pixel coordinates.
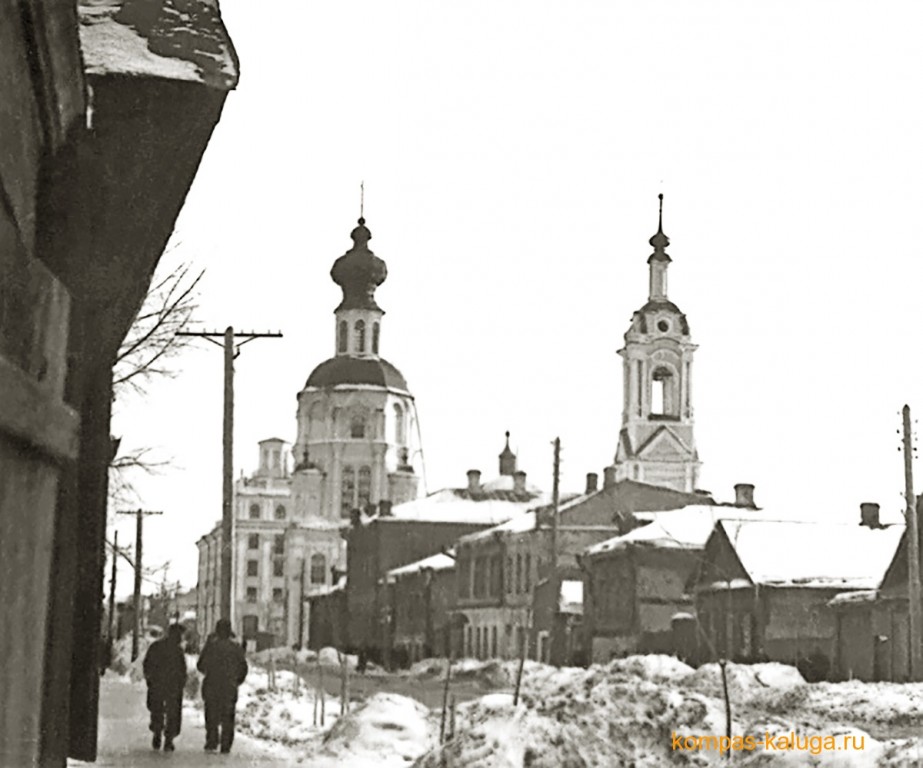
(223, 664)
(165, 673)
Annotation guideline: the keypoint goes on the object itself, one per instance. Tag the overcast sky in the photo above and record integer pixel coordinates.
(512, 154)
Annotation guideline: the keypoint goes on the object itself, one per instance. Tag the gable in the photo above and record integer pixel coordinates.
(719, 562)
(664, 445)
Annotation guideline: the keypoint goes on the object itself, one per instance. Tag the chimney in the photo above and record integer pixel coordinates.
(519, 481)
(474, 480)
(592, 479)
(869, 514)
(384, 508)
(743, 493)
(608, 477)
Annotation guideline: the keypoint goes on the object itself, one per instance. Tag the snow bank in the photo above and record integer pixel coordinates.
(652, 667)
(386, 730)
(744, 680)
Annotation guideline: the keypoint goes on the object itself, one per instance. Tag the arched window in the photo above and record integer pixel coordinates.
(357, 427)
(360, 336)
(347, 491)
(318, 569)
(400, 427)
(254, 511)
(661, 392)
(376, 330)
(342, 336)
(280, 512)
(364, 487)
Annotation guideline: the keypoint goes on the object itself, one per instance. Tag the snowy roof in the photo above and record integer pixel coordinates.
(437, 562)
(683, 528)
(851, 598)
(812, 554)
(157, 39)
(495, 502)
(525, 521)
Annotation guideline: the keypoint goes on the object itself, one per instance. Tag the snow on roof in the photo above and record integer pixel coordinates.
(122, 37)
(453, 505)
(437, 562)
(851, 598)
(685, 528)
(525, 521)
(813, 554)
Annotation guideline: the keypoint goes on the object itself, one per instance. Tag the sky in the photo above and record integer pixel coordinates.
(512, 154)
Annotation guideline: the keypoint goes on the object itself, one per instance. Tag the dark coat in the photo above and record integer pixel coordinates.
(223, 663)
(165, 667)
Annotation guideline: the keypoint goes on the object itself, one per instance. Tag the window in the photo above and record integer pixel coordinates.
(480, 580)
(342, 335)
(277, 595)
(253, 568)
(640, 371)
(662, 392)
(254, 511)
(318, 569)
(251, 627)
(278, 567)
(464, 576)
(278, 544)
(280, 512)
(251, 594)
(509, 574)
(527, 576)
(357, 427)
(493, 641)
(400, 429)
(347, 491)
(375, 333)
(360, 336)
(518, 573)
(364, 487)
(253, 541)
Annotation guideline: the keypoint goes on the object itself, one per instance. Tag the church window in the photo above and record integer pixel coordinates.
(251, 594)
(360, 336)
(347, 491)
(357, 427)
(342, 336)
(661, 391)
(663, 326)
(253, 568)
(277, 595)
(278, 544)
(364, 487)
(280, 512)
(253, 541)
(254, 511)
(376, 331)
(278, 567)
(400, 429)
(318, 569)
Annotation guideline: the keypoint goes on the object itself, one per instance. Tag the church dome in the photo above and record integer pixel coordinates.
(359, 271)
(357, 370)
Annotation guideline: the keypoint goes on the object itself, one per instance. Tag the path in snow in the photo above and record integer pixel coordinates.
(125, 741)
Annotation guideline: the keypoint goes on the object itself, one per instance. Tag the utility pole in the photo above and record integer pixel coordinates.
(115, 558)
(136, 630)
(554, 507)
(227, 503)
(913, 555)
(301, 606)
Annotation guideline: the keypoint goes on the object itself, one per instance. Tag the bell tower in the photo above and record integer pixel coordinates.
(656, 442)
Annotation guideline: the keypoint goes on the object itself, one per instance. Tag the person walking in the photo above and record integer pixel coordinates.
(224, 666)
(165, 672)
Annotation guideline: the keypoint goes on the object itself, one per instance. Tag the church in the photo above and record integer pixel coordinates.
(357, 447)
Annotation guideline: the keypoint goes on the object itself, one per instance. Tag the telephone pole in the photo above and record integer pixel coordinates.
(227, 503)
(913, 555)
(139, 533)
(554, 507)
(115, 559)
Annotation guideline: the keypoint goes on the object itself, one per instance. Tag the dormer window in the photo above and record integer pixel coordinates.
(360, 336)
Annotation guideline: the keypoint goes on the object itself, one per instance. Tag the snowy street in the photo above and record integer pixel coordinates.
(125, 741)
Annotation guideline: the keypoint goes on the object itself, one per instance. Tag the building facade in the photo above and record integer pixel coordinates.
(357, 450)
(657, 443)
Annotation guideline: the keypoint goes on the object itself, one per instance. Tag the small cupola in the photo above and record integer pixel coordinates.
(359, 272)
(507, 459)
(659, 259)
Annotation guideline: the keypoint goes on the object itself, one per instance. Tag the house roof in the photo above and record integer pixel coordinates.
(684, 528)
(525, 521)
(145, 38)
(343, 369)
(495, 502)
(437, 562)
(815, 554)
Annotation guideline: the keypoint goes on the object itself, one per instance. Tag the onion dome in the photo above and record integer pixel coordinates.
(359, 272)
(659, 241)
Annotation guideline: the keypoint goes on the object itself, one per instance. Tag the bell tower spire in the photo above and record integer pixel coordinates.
(657, 443)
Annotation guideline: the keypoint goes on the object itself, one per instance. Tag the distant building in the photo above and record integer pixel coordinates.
(657, 443)
(763, 588)
(357, 450)
(415, 530)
